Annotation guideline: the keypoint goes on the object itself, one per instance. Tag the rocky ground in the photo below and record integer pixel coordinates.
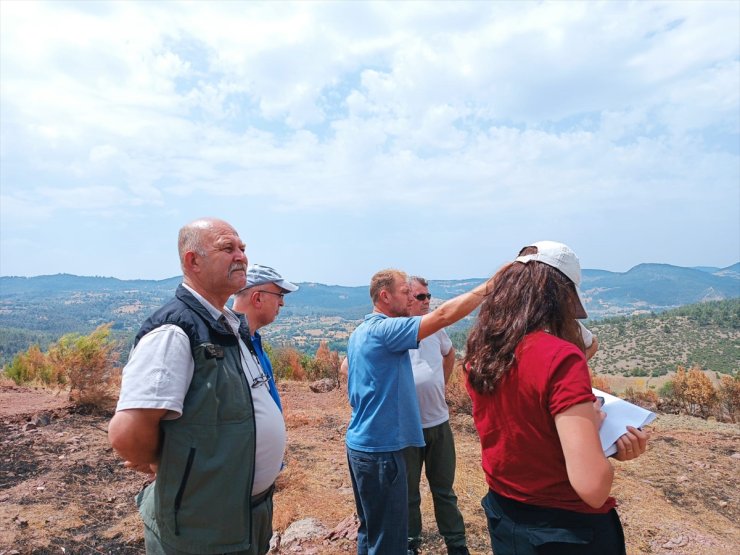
(63, 490)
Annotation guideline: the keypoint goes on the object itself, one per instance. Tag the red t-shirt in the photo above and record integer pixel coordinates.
(522, 456)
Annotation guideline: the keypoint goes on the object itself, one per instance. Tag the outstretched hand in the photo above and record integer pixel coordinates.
(632, 444)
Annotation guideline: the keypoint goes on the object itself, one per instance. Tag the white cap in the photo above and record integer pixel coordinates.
(561, 257)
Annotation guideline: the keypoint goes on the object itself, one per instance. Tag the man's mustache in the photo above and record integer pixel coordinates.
(235, 267)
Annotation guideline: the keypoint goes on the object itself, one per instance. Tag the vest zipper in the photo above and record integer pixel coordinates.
(181, 489)
(254, 433)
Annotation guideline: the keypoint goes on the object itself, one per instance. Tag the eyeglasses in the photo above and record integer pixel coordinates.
(423, 296)
(281, 295)
(259, 380)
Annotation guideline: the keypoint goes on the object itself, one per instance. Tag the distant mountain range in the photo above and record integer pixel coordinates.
(37, 302)
(656, 287)
(41, 309)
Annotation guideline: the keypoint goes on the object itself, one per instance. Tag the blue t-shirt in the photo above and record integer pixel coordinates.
(385, 410)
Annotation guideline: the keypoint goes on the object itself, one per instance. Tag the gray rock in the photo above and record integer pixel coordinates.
(347, 528)
(303, 529)
(323, 385)
(41, 419)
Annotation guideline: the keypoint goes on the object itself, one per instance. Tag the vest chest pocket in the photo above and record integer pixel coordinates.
(218, 391)
(214, 351)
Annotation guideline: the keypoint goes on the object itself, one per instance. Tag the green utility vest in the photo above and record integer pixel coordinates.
(200, 501)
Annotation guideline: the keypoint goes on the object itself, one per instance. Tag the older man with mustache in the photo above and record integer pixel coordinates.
(195, 410)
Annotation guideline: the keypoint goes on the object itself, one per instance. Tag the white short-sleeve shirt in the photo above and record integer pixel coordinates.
(429, 378)
(158, 375)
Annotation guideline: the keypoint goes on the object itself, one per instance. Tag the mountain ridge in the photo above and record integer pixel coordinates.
(733, 268)
(644, 287)
(42, 308)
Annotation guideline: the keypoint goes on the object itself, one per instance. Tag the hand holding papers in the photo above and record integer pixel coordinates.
(619, 415)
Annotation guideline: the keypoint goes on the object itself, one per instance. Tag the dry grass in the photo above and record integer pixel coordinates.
(669, 502)
(680, 497)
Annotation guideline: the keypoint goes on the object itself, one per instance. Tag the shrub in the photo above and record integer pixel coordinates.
(645, 398)
(457, 396)
(286, 364)
(325, 364)
(667, 390)
(728, 397)
(694, 391)
(600, 382)
(34, 366)
(87, 362)
(668, 402)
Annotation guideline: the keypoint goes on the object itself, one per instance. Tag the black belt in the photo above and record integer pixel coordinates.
(262, 497)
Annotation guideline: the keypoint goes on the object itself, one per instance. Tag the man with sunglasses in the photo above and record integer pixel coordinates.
(260, 301)
(432, 364)
(385, 412)
(195, 410)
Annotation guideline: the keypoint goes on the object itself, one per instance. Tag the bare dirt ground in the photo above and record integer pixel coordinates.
(63, 490)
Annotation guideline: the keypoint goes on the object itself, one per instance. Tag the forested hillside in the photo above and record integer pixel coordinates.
(706, 334)
(41, 309)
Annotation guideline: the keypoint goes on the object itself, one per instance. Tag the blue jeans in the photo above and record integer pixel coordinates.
(379, 485)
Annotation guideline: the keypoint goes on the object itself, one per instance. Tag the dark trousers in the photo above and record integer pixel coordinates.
(261, 531)
(438, 459)
(379, 485)
(520, 529)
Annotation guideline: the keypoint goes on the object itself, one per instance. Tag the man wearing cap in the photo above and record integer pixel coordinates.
(196, 411)
(260, 301)
(432, 364)
(385, 412)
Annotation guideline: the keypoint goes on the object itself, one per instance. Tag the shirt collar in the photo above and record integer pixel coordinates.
(231, 318)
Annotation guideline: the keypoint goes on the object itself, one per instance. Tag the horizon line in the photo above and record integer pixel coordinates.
(176, 276)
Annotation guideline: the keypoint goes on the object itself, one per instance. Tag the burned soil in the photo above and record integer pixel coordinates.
(64, 491)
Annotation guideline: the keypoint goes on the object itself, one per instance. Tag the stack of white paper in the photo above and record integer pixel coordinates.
(619, 415)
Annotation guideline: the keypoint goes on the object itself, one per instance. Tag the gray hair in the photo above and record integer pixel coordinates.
(420, 280)
(190, 238)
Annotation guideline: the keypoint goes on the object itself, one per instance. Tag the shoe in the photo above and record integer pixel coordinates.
(457, 550)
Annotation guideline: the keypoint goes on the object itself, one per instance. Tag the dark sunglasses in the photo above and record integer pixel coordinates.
(423, 296)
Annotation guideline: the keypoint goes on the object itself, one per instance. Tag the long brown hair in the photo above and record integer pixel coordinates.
(525, 298)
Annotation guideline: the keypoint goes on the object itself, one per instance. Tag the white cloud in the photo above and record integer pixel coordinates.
(293, 111)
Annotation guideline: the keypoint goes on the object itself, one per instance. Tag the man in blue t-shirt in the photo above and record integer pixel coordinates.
(385, 411)
(260, 301)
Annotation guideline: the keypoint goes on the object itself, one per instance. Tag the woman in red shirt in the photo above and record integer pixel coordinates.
(536, 416)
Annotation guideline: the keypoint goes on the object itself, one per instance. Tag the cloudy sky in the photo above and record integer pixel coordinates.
(344, 137)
